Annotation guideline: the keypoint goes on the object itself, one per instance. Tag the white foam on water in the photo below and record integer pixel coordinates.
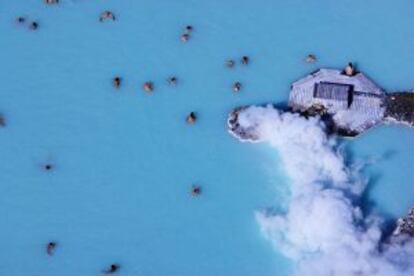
(323, 230)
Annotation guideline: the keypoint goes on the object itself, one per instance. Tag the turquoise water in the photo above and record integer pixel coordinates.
(124, 161)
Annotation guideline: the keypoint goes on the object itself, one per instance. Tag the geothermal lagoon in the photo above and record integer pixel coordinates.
(116, 157)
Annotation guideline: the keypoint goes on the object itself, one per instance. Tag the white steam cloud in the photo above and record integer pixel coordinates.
(323, 229)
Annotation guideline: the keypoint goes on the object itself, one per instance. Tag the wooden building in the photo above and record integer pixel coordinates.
(354, 102)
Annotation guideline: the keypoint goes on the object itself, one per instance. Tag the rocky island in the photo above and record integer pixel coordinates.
(349, 104)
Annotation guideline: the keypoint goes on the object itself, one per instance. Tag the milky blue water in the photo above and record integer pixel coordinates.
(124, 161)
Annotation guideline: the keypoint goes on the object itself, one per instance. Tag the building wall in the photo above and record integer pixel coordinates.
(331, 105)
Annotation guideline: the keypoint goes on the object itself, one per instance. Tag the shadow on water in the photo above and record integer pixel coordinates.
(367, 204)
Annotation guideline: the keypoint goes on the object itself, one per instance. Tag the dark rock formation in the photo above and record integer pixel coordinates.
(237, 130)
(400, 107)
(405, 225)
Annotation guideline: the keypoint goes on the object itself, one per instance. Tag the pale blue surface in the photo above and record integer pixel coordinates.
(125, 160)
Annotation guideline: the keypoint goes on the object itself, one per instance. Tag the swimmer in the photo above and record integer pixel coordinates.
(245, 60)
(349, 70)
(107, 15)
(188, 29)
(311, 58)
(51, 1)
(237, 86)
(112, 269)
(172, 81)
(229, 63)
(116, 82)
(21, 19)
(50, 248)
(195, 190)
(185, 37)
(48, 167)
(191, 118)
(33, 26)
(148, 86)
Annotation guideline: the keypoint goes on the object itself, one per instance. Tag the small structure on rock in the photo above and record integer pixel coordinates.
(348, 102)
(355, 103)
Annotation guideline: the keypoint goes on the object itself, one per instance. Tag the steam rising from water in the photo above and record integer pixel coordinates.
(323, 229)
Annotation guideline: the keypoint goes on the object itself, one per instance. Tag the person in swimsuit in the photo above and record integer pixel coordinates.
(50, 248)
(112, 269)
(191, 118)
(148, 86)
(107, 15)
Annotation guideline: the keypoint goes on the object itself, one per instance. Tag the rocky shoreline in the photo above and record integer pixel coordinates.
(236, 130)
(405, 225)
(400, 108)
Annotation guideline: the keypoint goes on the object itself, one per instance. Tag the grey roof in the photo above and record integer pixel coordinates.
(359, 81)
(358, 105)
(333, 91)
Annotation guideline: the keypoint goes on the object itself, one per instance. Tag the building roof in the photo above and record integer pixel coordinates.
(360, 82)
(354, 102)
(333, 91)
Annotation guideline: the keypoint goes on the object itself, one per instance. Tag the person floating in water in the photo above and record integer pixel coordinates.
(48, 167)
(311, 58)
(21, 19)
(245, 60)
(148, 86)
(237, 86)
(185, 37)
(107, 15)
(195, 190)
(187, 32)
(112, 269)
(172, 81)
(116, 82)
(34, 25)
(229, 63)
(50, 248)
(188, 29)
(349, 70)
(191, 118)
